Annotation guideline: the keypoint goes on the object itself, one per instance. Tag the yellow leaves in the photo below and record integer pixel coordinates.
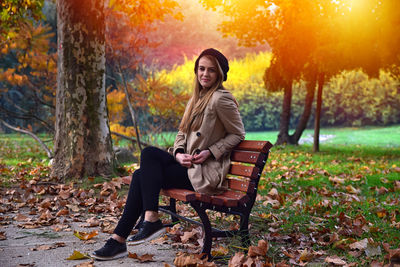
(115, 105)
(84, 235)
(76, 255)
(219, 251)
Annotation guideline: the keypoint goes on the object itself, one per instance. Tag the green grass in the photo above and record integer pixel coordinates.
(312, 203)
(370, 136)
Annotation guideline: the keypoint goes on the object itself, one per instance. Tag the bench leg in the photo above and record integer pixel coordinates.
(206, 228)
(172, 207)
(244, 229)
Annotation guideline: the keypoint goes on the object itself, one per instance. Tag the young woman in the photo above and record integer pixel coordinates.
(210, 128)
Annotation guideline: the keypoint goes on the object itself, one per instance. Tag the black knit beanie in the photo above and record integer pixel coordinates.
(222, 60)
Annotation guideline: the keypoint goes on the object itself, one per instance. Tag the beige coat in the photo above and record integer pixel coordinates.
(221, 130)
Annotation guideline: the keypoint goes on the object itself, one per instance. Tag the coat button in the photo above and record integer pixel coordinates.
(198, 134)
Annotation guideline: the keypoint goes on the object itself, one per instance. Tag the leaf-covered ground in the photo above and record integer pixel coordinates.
(337, 207)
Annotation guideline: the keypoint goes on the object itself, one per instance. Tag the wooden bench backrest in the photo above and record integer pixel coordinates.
(248, 160)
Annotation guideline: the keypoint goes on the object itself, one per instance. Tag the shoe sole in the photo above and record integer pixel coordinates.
(149, 238)
(119, 255)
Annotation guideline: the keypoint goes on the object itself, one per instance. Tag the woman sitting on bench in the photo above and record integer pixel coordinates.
(210, 128)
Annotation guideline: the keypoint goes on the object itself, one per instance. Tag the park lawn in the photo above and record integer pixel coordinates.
(323, 202)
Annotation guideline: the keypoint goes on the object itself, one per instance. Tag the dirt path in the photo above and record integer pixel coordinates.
(18, 248)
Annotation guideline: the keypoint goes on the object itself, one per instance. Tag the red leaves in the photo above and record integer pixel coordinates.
(260, 250)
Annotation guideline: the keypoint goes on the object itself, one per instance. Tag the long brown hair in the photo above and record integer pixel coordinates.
(193, 117)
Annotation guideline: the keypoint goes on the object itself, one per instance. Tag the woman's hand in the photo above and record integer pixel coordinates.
(184, 159)
(201, 157)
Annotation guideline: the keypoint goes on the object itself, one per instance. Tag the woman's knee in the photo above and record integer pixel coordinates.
(149, 152)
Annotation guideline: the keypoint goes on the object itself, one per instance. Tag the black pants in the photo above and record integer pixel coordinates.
(158, 169)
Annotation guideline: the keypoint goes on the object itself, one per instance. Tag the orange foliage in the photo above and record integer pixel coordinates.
(31, 71)
(161, 99)
(115, 104)
(127, 31)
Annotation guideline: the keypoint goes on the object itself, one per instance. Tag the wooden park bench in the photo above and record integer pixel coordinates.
(248, 161)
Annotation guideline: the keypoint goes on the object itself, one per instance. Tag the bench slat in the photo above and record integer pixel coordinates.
(229, 199)
(241, 185)
(247, 171)
(248, 157)
(179, 194)
(258, 146)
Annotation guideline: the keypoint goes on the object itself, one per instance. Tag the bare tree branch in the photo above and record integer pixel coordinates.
(130, 138)
(26, 115)
(131, 110)
(48, 151)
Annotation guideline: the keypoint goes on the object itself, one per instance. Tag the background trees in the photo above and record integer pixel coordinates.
(311, 40)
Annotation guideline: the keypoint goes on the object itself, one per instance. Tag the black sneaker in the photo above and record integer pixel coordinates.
(111, 250)
(148, 231)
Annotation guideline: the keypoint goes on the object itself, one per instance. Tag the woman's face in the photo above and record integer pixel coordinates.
(207, 72)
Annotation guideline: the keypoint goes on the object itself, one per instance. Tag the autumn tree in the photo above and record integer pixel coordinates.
(13, 13)
(127, 35)
(310, 40)
(290, 30)
(82, 140)
(194, 32)
(28, 77)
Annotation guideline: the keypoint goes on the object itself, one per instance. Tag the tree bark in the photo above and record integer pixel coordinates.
(321, 81)
(82, 144)
(302, 124)
(283, 136)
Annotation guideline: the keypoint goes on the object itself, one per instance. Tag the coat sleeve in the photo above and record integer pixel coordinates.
(180, 143)
(227, 111)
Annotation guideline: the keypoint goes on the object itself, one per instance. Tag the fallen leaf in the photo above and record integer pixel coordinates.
(85, 235)
(86, 264)
(237, 260)
(376, 264)
(76, 255)
(361, 245)
(21, 218)
(373, 250)
(62, 212)
(260, 250)
(335, 260)
(141, 258)
(394, 254)
(336, 180)
(220, 251)
(3, 236)
(91, 222)
(186, 260)
(352, 190)
(306, 255)
(47, 247)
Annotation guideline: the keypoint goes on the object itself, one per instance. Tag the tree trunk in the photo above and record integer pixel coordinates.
(302, 124)
(82, 144)
(283, 136)
(321, 81)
